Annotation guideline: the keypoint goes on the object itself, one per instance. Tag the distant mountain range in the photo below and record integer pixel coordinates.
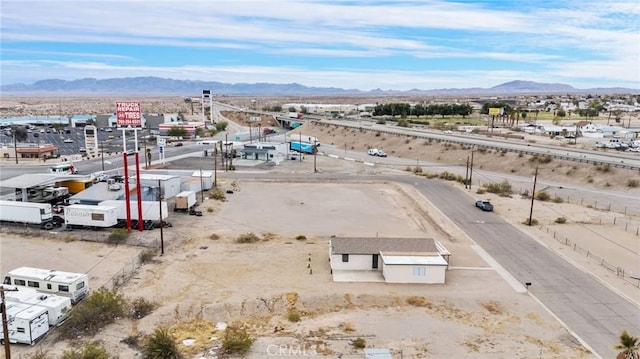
(162, 86)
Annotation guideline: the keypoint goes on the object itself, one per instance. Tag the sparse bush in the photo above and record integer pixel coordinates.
(347, 327)
(417, 301)
(301, 237)
(561, 220)
(543, 196)
(247, 238)
(214, 237)
(161, 345)
(589, 179)
(403, 123)
(293, 316)
(408, 169)
(359, 343)
(118, 235)
(93, 350)
(101, 308)
(217, 194)
(534, 222)
(236, 341)
(40, 354)
(502, 189)
(141, 307)
(210, 209)
(633, 183)
(147, 255)
(557, 199)
(603, 168)
(481, 191)
(417, 169)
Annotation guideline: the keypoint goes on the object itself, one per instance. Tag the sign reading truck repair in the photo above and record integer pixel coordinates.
(128, 114)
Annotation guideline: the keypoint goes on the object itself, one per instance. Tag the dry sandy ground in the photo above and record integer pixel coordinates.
(475, 315)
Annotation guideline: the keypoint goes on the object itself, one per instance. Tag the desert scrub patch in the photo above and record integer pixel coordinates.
(633, 183)
(359, 343)
(347, 327)
(561, 220)
(217, 194)
(141, 307)
(293, 316)
(118, 235)
(301, 237)
(214, 237)
(247, 238)
(237, 341)
(418, 301)
(147, 255)
(492, 307)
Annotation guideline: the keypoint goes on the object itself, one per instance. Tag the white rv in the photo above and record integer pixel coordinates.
(71, 285)
(57, 307)
(26, 323)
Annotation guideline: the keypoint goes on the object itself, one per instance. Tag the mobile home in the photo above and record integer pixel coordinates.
(26, 323)
(71, 285)
(57, 307)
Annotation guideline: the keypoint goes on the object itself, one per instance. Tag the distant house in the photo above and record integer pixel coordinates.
(265, 151)
(398, 260)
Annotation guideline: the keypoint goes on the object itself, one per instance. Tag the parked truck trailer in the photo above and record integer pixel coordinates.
(302, 147)
(25, 323)
(185, 201)
(80, 215)
(27, 213)
(150, 209)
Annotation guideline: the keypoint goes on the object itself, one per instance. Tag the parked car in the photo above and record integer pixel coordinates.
(82, 149)
(484, 205)
(178, 144)
(68, 140)
(376, 152)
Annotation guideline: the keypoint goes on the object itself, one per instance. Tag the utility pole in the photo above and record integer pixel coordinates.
(471, 169)
(533, 195)
(466, 175)
(215, 166)
(101, 154)
(5, 324)
(161, 221)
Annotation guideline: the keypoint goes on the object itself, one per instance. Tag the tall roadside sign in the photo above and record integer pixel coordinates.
(128, 114)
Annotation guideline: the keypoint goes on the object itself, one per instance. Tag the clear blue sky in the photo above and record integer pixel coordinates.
(391, 45)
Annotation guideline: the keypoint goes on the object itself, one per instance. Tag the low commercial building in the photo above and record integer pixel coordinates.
(397, 260)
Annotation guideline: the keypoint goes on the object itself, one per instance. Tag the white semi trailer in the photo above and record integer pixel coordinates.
(150, 209)
(26, 323)
(80, 215)
(27, 213)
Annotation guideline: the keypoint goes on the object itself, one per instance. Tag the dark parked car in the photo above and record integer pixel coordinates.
(484, 205)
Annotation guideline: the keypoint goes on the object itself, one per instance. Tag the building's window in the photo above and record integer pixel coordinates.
(48, 285)
(97, 217)
(419, 271)
(80, 285)
(19, 282)
(20, 330)
(345, 257)
(7, 280)
(33, 284)
(63, 288)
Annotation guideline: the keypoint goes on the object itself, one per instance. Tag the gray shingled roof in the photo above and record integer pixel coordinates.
(363, 245)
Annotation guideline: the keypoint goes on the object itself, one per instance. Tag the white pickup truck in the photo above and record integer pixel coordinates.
(376, 152)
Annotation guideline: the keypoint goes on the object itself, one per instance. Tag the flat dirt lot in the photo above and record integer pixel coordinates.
(475, 315)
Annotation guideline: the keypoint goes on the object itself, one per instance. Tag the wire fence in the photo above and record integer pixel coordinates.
(618, 270)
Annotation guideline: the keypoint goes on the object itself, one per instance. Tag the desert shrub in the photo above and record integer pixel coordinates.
(492, 307)
(417, 301)
(603, 168)
(147, 255)
(293, 316)
(481, 191)
(141, 307)
(40, 354)
(221, 125)
(633, 183)
(301, 237)
(93, 350)
(236, 341)
(101, 308)
(561, 220)
(557, 199)
(247, 238)
(217, 194)
(347, 327)
(543, 196)
(502, 189)
(534, 222)
(403, 123)
(540, 159)
(417, 169)
(359, 343)
(118, 235)
(408, 169)
(589, 179)
(381, 121)
(161, 345)
(210, 209)
(214, 237)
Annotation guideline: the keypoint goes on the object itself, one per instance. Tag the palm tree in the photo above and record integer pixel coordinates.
(20, 134)
(161, 345)
(629, 346)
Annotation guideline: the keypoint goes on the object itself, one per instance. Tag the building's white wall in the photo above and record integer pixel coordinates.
(405, 274)
(356, 262)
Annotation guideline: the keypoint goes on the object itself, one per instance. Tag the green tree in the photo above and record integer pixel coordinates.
(222, 125)
(629, 347)
(176, 131)
(161, 345)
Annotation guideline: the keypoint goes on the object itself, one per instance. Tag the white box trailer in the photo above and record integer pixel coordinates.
(82, 215)
(27, 213)
(57, 307)
(150, 209)
(185, 201)
(26, 323)
(67, 284)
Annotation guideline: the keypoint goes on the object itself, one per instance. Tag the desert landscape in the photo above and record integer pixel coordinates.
(206, 278)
